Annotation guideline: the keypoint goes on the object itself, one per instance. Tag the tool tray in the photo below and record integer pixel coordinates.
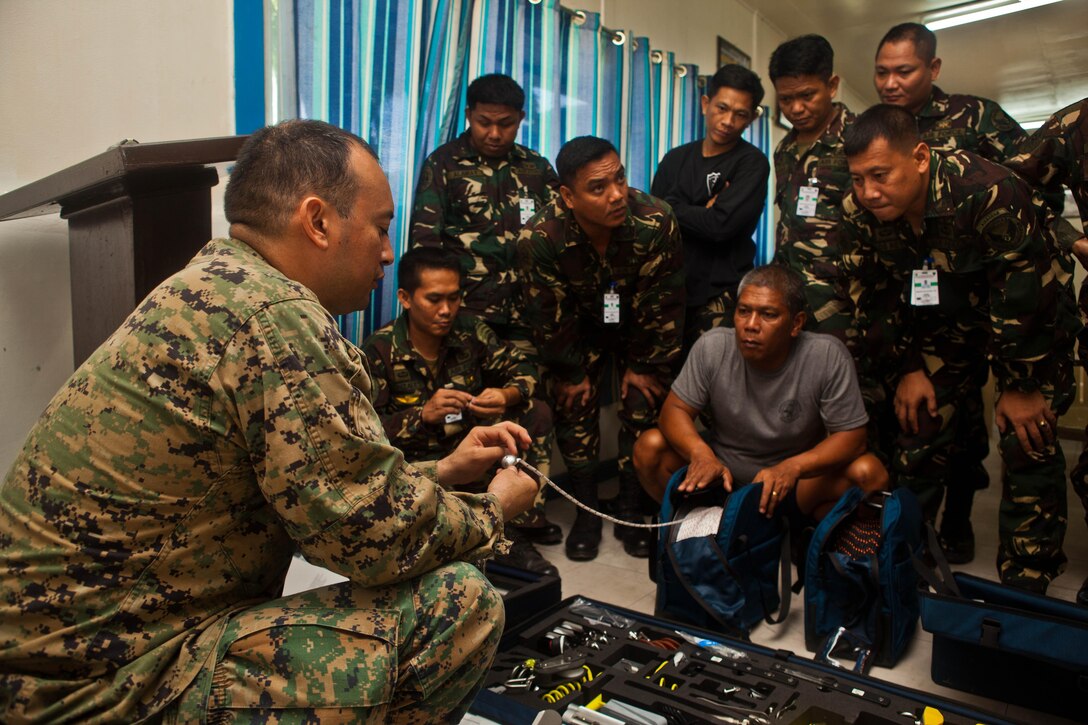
(563, 657)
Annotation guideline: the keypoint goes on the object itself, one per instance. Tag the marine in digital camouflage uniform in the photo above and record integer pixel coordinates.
(906, 68)
(1002, 298)
(147, 524)
(474, 195)
(602, 238)
(1057, 154)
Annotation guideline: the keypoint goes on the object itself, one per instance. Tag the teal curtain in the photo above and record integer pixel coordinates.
(759, 135)
(395, 72)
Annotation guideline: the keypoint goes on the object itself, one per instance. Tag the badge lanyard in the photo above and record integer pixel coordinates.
(611, 305)
(924, 290)
(807, 197)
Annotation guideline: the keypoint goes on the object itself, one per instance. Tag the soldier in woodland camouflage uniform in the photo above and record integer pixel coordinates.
(474, 195)
(147, 525)
(811, 178)
(906, 68)
(438, 373)
(603, 273)
(917, 217)
(1056, 154)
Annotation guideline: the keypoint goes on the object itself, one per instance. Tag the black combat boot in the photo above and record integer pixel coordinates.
(523, 555)
(584, 539)
(629, 507)
(957, 537)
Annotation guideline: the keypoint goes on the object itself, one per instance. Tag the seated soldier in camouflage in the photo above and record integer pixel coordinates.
(956, 268)
(603, 272)
(786, 406)
(474, 195)
(1055, 155)
(438, 373)
(147, 525)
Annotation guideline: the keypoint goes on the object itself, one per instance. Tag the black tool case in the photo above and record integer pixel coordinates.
(565, 656)
(524, 593)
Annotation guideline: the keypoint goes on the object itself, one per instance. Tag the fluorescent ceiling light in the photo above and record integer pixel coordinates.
(973, 12)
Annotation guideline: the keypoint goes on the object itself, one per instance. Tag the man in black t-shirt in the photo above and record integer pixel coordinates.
(717, 187)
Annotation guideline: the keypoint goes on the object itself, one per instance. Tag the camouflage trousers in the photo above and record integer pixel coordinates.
(578, 431)
(414, 652)
(539, 454)
(715, 312)
(948, 452)
(1079, 474)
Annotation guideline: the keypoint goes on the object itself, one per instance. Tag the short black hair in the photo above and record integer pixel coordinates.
(578, 152)
(808, 55)
(739, 78)
(781, 279)
(415, 261)
(502, 90)
(924, 39)
(894, 124)
(278, 165)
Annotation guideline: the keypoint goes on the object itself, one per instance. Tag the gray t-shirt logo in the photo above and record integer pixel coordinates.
(789, 410)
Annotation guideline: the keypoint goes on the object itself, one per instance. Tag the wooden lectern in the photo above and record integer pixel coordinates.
(136, 214)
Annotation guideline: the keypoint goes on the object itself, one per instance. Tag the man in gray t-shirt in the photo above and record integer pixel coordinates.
(786, 407)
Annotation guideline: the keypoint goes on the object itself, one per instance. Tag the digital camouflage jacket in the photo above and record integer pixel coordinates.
(224, 425)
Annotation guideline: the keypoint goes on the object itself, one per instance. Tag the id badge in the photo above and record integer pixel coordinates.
(528, 209)
(806, 200)
(611, 308)
(923, 288)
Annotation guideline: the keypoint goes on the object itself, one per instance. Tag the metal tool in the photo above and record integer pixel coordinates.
(509, 461)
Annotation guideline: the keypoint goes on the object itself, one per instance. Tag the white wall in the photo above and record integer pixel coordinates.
(75, 78)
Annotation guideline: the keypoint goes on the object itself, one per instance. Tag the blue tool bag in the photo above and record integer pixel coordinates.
(733, 575)
(861, 588)
(997, 641)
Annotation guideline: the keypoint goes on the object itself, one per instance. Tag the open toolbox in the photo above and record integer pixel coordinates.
(590, 662)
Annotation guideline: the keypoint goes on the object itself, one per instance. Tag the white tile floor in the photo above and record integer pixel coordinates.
(616, 578)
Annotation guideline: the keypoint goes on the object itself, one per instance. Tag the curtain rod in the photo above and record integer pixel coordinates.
(619, 37)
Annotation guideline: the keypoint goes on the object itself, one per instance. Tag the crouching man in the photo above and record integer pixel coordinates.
(148, 523)
(438, 371)
(786, 407)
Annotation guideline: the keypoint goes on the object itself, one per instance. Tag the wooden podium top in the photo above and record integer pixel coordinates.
(101, 177)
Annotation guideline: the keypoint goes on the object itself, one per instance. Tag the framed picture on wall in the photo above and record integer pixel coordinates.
(729, 53)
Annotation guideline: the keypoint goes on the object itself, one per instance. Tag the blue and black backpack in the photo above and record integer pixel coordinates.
(860, 581)
(730, 580)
